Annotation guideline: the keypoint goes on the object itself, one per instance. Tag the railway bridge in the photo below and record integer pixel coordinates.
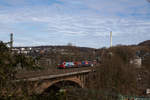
(46, 83)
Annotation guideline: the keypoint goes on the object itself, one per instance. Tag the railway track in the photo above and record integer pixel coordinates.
(50, 71)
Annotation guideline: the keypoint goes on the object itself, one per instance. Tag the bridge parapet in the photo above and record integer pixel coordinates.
(54, 76)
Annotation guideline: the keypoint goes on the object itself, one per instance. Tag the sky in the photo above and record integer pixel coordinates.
(85, 23)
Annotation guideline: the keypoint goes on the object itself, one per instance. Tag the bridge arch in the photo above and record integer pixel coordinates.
(48, 85)
(63, 84)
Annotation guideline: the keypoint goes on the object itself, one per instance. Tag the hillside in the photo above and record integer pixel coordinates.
(145, 43)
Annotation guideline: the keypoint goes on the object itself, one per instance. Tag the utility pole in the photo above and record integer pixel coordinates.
(110, 38)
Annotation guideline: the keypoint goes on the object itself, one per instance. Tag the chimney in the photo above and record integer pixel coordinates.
(11, 40)
(111, 39)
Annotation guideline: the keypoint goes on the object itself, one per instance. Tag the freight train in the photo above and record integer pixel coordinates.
(64, 65)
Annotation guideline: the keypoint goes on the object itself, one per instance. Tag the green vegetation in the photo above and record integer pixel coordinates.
(8, 66)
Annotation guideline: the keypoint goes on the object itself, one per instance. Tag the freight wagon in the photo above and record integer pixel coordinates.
(75, 64)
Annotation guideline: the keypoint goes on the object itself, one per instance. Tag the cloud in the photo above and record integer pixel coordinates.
(84, 23)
